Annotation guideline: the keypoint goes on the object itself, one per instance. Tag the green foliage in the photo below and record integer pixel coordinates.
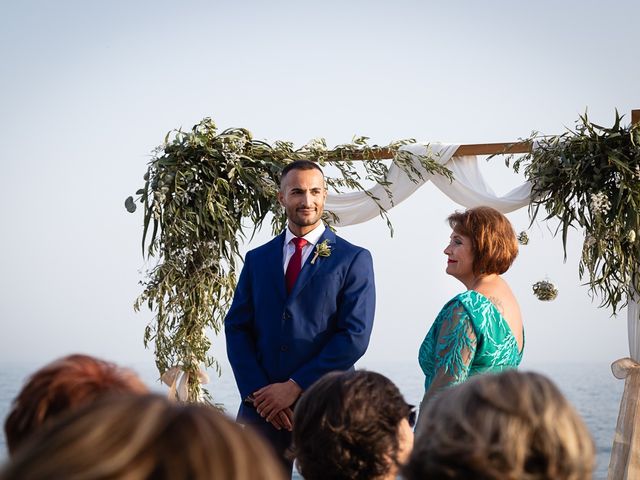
(589, 177)
(204, 192)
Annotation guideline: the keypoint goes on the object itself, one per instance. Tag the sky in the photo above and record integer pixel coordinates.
(88, 89)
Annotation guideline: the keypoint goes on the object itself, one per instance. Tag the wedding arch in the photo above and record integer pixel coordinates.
(203, 186)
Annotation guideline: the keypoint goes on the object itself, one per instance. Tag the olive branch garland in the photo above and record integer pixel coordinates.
(204, 192)
(589, 177)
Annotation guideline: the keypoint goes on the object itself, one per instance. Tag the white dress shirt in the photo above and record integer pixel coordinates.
(312, 238)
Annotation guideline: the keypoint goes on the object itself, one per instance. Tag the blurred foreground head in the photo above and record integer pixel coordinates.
(62, 385)
(509, 425)
(144, 437)
(352, 425)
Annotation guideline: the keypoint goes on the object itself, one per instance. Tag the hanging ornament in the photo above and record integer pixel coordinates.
(523, 238)
(545, 290)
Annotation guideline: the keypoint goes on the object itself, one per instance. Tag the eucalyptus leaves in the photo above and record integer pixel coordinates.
(589, 177)
(204, 192)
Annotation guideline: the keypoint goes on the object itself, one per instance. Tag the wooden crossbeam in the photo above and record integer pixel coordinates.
(472, 148)
(468, 149)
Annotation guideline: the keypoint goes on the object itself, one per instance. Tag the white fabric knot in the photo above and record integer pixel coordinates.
(178, 382)
(624, 367)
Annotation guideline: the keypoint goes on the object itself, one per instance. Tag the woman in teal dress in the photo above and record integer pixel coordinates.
(479, 330)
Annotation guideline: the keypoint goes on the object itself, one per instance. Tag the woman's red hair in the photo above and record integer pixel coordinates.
(493, 239)
(62, 385)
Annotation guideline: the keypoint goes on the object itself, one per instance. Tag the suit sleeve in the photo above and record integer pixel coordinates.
(240, 337)
(354, 324)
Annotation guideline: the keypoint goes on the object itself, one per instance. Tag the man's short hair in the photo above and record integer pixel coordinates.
(299, 165)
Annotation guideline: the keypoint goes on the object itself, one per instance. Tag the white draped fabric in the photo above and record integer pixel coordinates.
(470, 189)
(625, 453)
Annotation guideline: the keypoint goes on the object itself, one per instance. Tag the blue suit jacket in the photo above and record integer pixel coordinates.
(323, 325)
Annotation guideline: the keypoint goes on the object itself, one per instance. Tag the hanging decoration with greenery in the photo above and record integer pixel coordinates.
(205, 191)
(589, 177)
(545, 290)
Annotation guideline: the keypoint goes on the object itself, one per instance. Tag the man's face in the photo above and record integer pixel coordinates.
(302, 194)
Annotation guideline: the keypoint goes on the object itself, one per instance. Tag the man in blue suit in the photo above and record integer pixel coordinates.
(303, 306)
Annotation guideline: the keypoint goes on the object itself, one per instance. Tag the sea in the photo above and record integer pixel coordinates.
(591, 388)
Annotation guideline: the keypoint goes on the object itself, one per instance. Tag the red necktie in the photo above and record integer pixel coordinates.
(295, 264)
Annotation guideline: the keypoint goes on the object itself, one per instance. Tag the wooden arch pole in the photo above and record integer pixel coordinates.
(463, 150)
(473, 148)
(624, 462)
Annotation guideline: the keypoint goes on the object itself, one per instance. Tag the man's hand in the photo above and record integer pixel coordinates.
(274, 398)
(283, 419)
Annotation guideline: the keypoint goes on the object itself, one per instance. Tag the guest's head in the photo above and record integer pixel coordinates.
(352, 425)
(501, 426)
(144, 437)
(63, 385)
(302, 194)
(483, 242)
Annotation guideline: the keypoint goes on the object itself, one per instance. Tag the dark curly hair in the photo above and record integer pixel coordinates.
(346, 426)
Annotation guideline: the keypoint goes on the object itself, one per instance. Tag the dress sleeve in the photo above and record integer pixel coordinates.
(455, 348)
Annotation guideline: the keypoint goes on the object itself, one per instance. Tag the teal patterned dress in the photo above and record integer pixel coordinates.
(469, 336)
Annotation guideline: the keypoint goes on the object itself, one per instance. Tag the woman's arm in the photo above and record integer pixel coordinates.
(455, 350)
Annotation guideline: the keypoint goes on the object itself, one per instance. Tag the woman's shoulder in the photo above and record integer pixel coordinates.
(460, 302)
(476, 306)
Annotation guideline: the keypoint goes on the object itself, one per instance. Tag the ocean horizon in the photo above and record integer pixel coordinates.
(590, 387)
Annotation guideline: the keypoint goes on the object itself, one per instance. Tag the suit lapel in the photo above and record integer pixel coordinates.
(275, 262)
(310, 269)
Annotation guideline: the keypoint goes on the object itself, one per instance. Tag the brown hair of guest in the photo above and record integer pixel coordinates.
(144, 437)
(509, 425)
(346, 427)
(493, 239)
(62, 385)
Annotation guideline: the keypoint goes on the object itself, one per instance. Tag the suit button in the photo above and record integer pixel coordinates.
(284, 348)
(286, 315)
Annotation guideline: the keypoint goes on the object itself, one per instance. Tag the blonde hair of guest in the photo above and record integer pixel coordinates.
(144, 437)
(509, 425)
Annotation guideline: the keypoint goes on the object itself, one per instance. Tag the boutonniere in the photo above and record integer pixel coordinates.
(322, 250)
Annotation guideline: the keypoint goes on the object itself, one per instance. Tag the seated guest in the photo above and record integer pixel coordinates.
(62, 385)
(143, 437)
(352, 425)
(501, 426)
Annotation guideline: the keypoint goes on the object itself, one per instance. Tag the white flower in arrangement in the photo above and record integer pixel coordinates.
(600, 203)
(317, 144)
(637, 174)
(589, 241)
(631, 236)
(617, 179)
(239, 144)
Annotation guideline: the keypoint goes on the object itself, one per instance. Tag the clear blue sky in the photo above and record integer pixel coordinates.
(87, 89)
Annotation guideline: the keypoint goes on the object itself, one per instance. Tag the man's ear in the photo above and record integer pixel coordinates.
(280, 198)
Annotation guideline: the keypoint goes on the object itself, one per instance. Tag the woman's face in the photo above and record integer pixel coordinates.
(459, 254)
